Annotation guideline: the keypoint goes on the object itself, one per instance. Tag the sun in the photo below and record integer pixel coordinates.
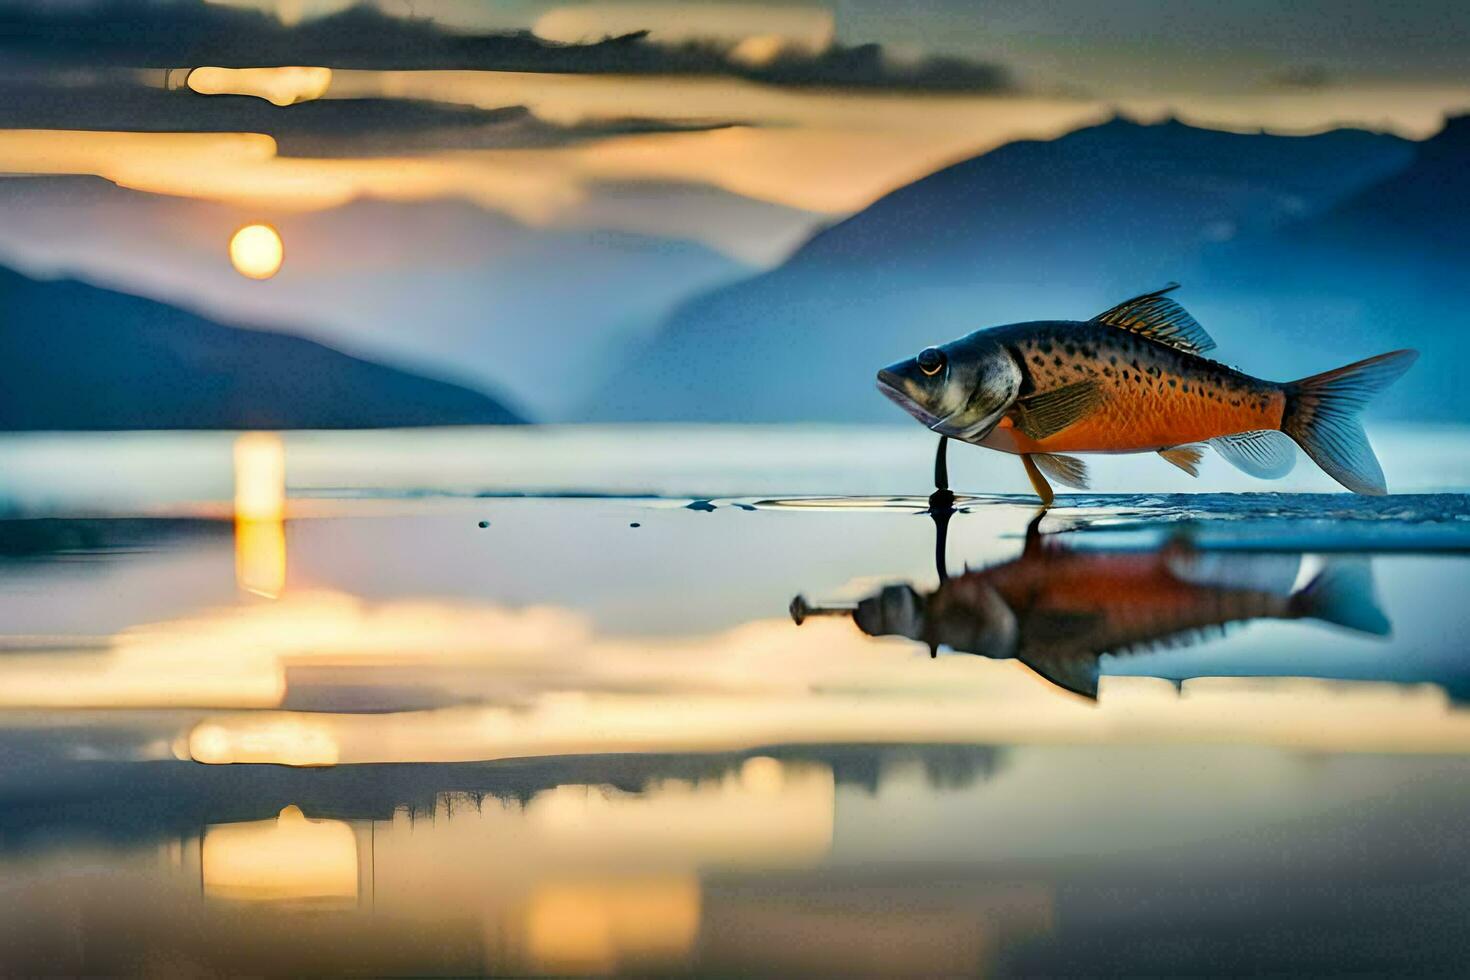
(256, 251)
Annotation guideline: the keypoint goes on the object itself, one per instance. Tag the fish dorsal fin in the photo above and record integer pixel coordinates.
(1265, 453)
(1179, 639)
(1185, 457)
(1052, 411)
(1069, 471)
(1155, 316)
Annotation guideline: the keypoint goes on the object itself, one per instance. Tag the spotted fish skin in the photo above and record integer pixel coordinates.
(1134, 379)
(1059, 610)
(1150, 396)
(1125, 600)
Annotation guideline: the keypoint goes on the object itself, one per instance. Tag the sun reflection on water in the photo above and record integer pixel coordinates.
(260, 509)
(596, 926)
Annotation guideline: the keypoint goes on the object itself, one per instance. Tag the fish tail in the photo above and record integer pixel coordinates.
(1322, 411)
(1342, 594)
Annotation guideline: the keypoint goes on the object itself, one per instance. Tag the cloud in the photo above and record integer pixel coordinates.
(1302, 77)
(418, 135)
(283, 86)
(339, 127)
(409, 136)
(185, 33)
(245, 169)
(801, 154)
(544, 145)
(809, 28)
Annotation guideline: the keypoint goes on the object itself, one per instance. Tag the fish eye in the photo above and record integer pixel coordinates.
(931, 361)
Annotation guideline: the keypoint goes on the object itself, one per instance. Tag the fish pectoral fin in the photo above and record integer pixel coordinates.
(1077, 676)
(1155, 316)
(1187, 458)
(1071, 670)
(1049, 412)
(1265, 453)
(1069, 471)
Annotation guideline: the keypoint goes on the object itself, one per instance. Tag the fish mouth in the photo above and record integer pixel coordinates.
(889, 384)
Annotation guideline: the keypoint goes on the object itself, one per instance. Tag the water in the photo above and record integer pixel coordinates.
(282, 705)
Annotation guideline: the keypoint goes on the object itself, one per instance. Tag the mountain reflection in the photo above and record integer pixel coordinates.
(569, 866)
(285, 859)
(1060, 610)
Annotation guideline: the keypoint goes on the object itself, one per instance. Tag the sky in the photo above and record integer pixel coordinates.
(737, 129)
(1124, 45)
(789, 148)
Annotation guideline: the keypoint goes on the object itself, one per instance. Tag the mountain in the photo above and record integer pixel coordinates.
(1383, 268)
(74, 356)
(1424, 206)
(1031, 230)
(444, 287)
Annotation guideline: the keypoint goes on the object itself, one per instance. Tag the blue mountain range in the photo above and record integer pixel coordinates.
(75, 356)
(1274, 237)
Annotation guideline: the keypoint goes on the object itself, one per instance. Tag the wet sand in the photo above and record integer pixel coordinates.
(347, 729)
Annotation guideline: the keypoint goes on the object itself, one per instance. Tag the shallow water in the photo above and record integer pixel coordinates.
(287, 706)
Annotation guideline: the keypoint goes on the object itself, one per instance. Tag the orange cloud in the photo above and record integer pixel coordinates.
(817, 151)
(279, 86)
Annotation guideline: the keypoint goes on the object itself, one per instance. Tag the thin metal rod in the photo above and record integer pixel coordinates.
(941, 511)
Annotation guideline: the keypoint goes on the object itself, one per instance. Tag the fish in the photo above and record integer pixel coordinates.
(1134, 379)
(1058, 611)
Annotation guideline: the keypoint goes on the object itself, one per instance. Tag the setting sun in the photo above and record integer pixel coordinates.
(256, 251)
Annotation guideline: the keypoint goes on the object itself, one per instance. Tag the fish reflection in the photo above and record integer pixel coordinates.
(1059, 610)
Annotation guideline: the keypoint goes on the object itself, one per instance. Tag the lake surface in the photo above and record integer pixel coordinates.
(537, 702)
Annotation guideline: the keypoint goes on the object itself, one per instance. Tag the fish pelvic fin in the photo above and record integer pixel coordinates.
(1187, 458)
(1342, 594)
(1322, 415)
(1038, 482)
(1069, 471)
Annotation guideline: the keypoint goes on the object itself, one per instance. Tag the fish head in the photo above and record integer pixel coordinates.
(974, 619)
(969, 615)
(895, 611)
(961, 389)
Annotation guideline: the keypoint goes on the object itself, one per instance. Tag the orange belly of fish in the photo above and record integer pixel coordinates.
(1134, 425)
